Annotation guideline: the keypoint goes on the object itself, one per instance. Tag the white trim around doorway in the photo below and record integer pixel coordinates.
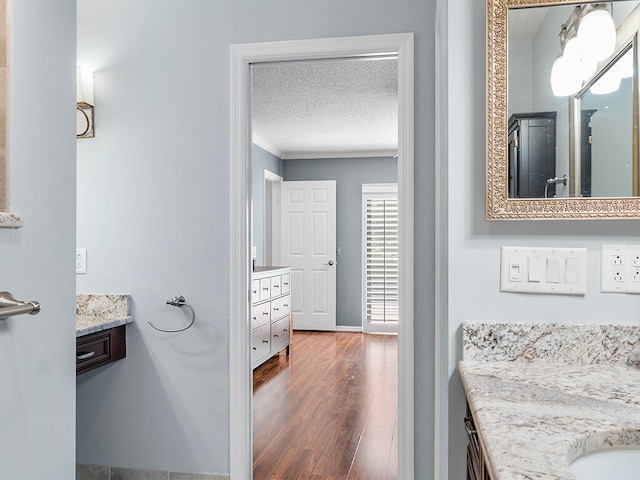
(242, 56)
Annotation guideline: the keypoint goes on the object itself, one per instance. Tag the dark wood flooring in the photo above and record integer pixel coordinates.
(329, 411)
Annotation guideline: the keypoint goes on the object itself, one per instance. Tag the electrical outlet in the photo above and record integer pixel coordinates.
(613, 268)
(618, 260)
(81, 260)
(634, 255)
(620, 268)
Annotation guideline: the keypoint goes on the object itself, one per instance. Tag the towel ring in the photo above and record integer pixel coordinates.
(178, 301)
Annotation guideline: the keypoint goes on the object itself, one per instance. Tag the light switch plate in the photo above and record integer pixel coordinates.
(544, 270)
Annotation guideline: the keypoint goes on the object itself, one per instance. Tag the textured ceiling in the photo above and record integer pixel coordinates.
(326, 108)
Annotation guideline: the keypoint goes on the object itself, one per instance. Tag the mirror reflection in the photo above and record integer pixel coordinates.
(606, 134)
(572, 124)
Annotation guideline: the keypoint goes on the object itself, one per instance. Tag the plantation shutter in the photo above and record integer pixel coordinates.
(380, 253)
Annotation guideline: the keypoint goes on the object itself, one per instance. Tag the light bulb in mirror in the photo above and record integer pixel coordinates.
(597, 32)
(565, 79)
(575, 53)
(608, 83)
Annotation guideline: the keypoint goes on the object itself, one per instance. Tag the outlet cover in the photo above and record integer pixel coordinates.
(620, 269)
(613, 268)
(81, 260)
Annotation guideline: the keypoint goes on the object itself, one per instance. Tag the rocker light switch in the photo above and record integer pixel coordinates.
(572, 270)
(534, 269)
(553, 270)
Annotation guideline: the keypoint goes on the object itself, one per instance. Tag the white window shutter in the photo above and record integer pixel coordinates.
(380, 254)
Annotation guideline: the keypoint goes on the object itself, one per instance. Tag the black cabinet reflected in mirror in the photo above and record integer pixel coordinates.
(532, 155)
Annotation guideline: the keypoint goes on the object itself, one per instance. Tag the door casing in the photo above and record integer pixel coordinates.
(242, 56)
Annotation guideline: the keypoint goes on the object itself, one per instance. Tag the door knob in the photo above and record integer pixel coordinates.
(330, 263)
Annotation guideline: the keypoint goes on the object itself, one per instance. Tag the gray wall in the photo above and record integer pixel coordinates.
(153, 212)
(474, 244)
(350, 174)
(261, 160)
(37, 370)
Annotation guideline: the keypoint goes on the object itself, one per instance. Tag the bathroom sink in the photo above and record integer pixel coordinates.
(617, 463)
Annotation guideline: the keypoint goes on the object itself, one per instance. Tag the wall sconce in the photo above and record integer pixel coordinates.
(587, 37)
(84, 105)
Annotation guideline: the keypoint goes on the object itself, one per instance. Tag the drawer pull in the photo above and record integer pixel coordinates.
(285, 330)
(265, 341)
(276, 286)
(265, 288)
(255, 348)
(286, 304)
(255, 318)
(254, 291)
(275, 335)
(84, 356)
(286, 283)
(276, 309)
(265, 313)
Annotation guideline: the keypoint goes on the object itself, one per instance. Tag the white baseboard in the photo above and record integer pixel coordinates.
(348, 328)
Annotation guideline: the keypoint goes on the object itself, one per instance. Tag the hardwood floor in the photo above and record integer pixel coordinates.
(329, 411)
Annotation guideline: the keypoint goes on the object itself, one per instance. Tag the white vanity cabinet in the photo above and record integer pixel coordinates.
(270, 313)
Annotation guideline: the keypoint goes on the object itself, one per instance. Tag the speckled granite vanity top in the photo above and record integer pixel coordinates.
(543, 394)
(97, 312)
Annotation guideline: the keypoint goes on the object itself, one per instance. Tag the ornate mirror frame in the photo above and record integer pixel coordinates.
(499, 206)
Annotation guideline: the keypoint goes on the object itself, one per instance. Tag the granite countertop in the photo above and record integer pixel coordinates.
(98, 312)
(543, 394)
(534, 419)
(86, 324)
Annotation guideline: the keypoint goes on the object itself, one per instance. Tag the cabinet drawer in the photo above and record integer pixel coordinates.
(284, 281)
(265, 289)
(280, 334)
(100, 348)
(276, 287)
(260, 314)
(260, 343)
(280, 307)
(255, 291)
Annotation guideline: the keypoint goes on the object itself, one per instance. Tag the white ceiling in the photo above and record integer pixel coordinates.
(326, 108)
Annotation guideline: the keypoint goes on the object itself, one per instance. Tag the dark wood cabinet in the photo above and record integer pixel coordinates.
(100, 348)
(532, 154)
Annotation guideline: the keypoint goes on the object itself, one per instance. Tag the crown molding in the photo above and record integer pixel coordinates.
(339, 154)
(263, 144)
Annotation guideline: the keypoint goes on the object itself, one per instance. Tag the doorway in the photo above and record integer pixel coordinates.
(241, 458)
(271, 215)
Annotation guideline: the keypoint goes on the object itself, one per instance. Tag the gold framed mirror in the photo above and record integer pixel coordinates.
(552, 150)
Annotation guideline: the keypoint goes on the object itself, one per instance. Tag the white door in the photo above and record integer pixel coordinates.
(37, 352)
(308, 242)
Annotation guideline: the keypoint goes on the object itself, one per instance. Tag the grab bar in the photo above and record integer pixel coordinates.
(9, 306)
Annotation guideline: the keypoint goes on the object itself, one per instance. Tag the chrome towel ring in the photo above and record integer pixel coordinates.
(178, 301)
